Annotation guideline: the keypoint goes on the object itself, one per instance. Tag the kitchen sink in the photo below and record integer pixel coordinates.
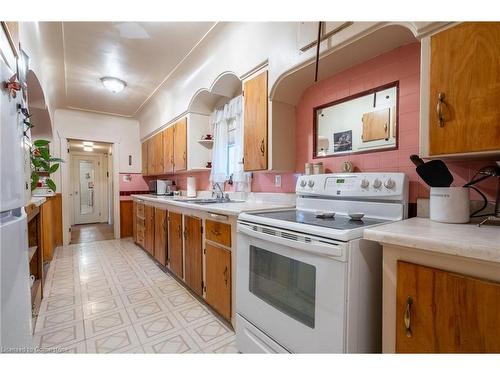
(207, 201)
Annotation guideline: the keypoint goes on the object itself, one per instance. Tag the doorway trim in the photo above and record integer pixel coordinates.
(66, 182)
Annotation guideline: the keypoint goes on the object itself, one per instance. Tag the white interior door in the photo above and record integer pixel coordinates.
(87, 189)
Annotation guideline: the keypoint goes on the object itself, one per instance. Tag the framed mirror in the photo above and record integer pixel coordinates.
(364, 122)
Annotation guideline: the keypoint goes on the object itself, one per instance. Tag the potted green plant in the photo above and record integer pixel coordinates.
(43, 164)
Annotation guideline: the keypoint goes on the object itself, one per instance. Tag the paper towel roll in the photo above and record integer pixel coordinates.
(191, 186)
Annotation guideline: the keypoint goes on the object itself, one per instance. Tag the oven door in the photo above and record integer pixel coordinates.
(292, 287)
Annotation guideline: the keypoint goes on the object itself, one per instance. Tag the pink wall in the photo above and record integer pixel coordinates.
(401, 64)
(137, 184)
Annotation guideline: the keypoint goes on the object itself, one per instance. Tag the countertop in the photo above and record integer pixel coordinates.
(465, 240)
(38, 201)
(231, 208)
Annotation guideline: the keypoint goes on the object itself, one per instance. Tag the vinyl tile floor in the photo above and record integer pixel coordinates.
(111, 297)
(85, 233)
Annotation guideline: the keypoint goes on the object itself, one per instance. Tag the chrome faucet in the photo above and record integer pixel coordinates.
(220, 195)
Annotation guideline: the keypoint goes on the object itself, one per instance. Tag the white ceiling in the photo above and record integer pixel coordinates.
(142, 54)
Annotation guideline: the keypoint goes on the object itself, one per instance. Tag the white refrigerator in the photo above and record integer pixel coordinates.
(15, 294)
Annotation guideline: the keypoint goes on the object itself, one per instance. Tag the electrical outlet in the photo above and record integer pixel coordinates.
(277, 181)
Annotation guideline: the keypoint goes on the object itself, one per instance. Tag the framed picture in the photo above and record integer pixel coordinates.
(342, 141)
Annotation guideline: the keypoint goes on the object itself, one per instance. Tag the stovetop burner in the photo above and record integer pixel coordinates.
(306, 217)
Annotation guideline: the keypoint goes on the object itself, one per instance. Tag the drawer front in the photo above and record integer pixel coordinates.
(141, 223)
(218, 232)
(140, 210)
(140, 236)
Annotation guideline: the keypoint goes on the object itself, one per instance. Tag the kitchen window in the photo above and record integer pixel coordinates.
(227, 153)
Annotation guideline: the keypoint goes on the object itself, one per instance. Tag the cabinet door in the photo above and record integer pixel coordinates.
(168, 150)
(218, 279)
(134, 221)
(47, 231)
(465, 71)
(160, 247)
(193, 253)
(144, 149)
(157, 145)
(126, 219)
(175, 259)
(255, 123)
(180, 145)
(442, 312)
(149, 219)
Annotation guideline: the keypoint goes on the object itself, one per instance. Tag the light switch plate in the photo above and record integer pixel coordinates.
(277, 181)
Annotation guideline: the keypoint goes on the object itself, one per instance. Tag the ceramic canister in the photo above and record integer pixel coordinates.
(450, 205)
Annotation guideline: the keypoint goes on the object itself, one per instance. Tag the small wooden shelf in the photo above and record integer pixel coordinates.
(31, 252)
(208, 143)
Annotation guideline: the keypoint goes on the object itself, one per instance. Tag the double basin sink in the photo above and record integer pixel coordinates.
(202, 201)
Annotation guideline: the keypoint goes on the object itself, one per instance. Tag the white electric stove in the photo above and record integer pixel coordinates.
(306, 280)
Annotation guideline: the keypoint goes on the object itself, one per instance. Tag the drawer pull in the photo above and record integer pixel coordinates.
(262, 147)
(215, 232)
(407, 316)
(439, 109)
(225, 276)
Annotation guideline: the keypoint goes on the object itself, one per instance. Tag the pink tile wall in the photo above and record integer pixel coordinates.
(401, 64)
(137, 182)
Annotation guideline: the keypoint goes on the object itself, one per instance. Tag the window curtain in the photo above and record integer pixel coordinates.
(234, 112)
(225, 119)
(218, 174)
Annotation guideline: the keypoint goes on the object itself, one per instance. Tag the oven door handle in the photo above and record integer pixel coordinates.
(330, 250)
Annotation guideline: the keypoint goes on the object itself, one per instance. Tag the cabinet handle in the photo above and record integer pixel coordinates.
(185, 233)
(184, 155)
(262, 147)
(215, 232)
(225, 276)
(407, 316)
(179, 232)
(439, 109)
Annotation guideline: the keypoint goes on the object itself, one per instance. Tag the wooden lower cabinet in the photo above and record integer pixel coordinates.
(193, 253)
(47, 228)
(160, 248)
(218, 279)
(134, 221)
(442, 312)
(126, 218)
(149, 235)
(175, 257)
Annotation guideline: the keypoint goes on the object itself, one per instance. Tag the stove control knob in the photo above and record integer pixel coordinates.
(303, 183)
(365, 183)
(377, 183)
(389, 184)
(310, 183)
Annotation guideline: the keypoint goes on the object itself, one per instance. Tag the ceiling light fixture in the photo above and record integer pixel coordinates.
(88, 143)
(88, 149)
(113, 84)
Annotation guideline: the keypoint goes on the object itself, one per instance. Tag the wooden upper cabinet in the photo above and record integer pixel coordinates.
(193, 253)
(149, 222)
(168, 149)
(144, 154)
(175, 258)
(442, 312)
(218, 279)
(158, 153)
(180, 145)
(160, 246)
(255, 147)
(465, 89)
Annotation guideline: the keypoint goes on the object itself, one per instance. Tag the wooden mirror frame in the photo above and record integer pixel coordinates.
(351, 97)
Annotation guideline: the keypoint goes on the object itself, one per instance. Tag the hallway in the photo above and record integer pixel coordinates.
(110, 296)
(85, 233)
